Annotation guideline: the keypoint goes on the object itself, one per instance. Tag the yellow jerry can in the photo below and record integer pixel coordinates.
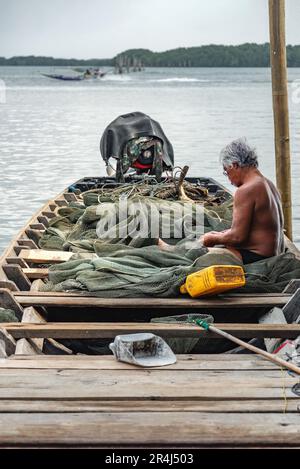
(213, 280)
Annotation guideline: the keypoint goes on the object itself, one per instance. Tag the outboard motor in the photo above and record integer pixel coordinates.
(138, 142)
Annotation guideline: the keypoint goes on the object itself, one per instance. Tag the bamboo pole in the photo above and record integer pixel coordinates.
(280, 108)
(273, 358)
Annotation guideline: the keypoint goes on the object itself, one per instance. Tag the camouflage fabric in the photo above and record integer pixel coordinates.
(135, 148)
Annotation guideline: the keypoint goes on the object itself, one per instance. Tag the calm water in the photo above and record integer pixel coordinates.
(50, 130)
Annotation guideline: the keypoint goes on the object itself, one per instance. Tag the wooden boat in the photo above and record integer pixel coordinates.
(51, 397)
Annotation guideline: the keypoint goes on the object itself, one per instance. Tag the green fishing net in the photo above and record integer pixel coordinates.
(8, 315)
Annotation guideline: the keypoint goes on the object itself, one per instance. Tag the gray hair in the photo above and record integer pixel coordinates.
(239, 152)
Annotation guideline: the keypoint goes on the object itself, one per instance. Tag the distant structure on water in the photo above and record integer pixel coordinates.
(126, 64)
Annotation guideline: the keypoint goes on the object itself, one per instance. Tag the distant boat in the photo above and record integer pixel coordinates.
(91, 72)
(63, 77)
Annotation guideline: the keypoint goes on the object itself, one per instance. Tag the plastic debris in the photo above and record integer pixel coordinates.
(143, 349)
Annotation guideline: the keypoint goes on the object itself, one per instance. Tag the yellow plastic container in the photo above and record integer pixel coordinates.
(213, 280)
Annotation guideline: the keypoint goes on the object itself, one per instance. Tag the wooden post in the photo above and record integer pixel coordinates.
(280, 108)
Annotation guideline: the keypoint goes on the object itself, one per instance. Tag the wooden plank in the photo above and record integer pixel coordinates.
(141, 383)
(212, 406)
(108, 362)
(70, 197)
(37, 227)
(15, 273)
(28, 243)
(68, 299)
(53, 347)
(42, 256)
(35, 273)
(42, 219)
(35, 235)
(140, 428)
(61, 203)
(7, 343)
(33, 345)
(97, 330)
(7, 300)
(8, 285)
(49, 214)
(18, 249)
(16, 261)
(26, 347)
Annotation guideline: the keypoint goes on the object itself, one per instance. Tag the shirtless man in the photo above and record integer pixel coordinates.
(257, 225)
(256, 232)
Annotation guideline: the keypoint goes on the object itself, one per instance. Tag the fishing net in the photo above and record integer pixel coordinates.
(118, 228)
(8, 315)
(186, 344)
(136, 221)
(135, 272)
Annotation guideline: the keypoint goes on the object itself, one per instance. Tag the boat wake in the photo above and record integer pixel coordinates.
(179, 79)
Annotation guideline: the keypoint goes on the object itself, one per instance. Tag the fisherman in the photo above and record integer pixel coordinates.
(256, 232)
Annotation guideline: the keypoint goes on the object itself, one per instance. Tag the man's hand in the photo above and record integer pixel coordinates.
(210, 239)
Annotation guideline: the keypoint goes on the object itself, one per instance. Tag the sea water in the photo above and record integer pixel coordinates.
(50, 130)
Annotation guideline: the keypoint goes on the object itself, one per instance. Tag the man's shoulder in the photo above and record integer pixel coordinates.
(257, 183)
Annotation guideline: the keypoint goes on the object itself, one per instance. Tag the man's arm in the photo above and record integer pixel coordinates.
(243, 207)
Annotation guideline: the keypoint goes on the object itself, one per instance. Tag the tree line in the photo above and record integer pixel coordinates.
(243, 55)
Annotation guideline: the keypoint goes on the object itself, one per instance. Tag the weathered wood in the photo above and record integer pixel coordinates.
(110, 330)
(53, 347)
(8, 285)
(61, 203)
(16, 261)
(42, 256)
(26, 347)
(7, 300)
(15, 273)
(70, 197)
(37, 227)
(265, 406)
(68, 299)
(28, 243)
(140, 428)
(108, 362)
(140, 383)
(32, 345)
(34, 235)
(49, 214)
(280, 108)
(42, 219)
(7, 343)
(36, 273)
(18, 249)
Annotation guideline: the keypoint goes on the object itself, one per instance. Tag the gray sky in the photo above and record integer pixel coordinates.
(103, 28)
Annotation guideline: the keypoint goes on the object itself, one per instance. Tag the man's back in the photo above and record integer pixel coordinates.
(266, 226)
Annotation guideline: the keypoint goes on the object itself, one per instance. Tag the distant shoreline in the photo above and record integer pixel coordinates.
(241, 56)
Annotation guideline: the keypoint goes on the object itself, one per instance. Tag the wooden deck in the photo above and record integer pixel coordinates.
(69, 400)
(201, 401)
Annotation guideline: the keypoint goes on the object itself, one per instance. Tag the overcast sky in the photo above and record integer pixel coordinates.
(103, 28)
